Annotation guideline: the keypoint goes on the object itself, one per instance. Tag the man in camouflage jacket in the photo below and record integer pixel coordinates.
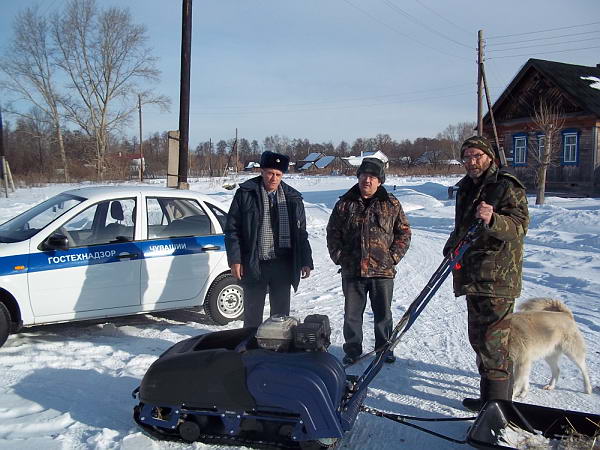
(490, 272)
(367, 235)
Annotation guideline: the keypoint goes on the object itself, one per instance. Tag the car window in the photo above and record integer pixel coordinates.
(33, 220)
(103, 223)
(176, 217)
(219, 214)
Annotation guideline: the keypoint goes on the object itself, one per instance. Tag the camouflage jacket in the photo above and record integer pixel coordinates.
(368, 239)
(492, 267)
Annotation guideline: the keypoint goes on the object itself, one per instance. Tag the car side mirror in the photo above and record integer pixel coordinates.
(56, 241)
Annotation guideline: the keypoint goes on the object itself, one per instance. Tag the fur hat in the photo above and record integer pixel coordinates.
(478, 142)
(270, 160)
(372, 166)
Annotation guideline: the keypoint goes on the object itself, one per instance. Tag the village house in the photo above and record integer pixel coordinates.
(574, 92)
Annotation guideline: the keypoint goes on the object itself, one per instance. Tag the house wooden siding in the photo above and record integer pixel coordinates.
(579, 104)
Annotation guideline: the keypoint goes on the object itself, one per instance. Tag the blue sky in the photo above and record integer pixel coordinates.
(328, 70)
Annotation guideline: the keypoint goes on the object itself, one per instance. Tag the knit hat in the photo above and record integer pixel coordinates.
(270, 160)
(372, 166)
(478, 142)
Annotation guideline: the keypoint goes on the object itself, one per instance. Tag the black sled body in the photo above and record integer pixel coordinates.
(223, 388)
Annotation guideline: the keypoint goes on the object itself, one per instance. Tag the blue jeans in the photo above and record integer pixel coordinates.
(380, 291)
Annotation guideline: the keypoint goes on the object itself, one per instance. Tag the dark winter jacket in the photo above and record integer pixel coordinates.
(492, 267)
(368, 239)
(243, 222)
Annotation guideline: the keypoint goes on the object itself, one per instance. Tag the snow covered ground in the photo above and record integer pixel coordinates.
(68, 386)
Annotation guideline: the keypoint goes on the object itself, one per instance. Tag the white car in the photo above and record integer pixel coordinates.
(110, 251)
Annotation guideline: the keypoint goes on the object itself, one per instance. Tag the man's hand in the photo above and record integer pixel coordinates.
(484, 212)
(305, 272)
(237, 271)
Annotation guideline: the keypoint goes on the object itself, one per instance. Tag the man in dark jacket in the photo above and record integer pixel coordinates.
(490, 273)
(266, 240)
(367, 235)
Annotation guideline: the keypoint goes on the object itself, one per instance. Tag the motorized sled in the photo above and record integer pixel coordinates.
(275, 386)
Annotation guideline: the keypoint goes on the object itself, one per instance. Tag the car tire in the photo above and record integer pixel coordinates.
(4, 324)
(225, 300)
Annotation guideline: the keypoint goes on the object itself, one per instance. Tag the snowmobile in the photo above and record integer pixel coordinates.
(277, 386)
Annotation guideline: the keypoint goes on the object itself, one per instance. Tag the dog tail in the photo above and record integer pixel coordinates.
(545, 304)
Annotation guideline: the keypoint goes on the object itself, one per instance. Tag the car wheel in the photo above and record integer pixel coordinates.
(4, 324)
(225, 300)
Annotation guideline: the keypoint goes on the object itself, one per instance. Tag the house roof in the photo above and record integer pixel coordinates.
(580, 83)
(324, 162)
(312, 157)
(306, 166)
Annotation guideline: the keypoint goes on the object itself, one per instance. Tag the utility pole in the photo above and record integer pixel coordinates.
(141, 149)
(184, 93)
(480, 83)
(210, 171)
(235, 144)
(2, 157)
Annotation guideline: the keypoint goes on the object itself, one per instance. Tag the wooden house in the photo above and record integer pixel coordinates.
(574, 92)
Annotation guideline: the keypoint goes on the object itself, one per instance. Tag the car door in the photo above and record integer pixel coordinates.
(181, 249)
(99, 271)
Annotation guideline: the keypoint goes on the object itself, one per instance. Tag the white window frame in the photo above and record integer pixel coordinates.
(520, 151)
(541, 141)
(570, 148)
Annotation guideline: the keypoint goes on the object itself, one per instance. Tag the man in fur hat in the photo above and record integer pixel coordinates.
(367, 235)
(490, 272)
(266, 240)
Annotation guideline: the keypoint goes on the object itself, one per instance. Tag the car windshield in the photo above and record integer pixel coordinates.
(33, 220)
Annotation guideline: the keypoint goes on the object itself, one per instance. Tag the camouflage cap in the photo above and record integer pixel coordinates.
(478, 142)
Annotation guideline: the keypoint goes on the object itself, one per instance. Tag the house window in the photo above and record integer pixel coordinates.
(541, 140)
(570, 147)
(520, 150)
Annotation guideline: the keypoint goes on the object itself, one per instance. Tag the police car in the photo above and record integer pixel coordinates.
(109, 251)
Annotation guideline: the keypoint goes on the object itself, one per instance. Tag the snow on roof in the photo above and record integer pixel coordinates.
(354, 160)
(306, 166)
(252, 165)
(312, 157)
(596, 82)
(324, 162)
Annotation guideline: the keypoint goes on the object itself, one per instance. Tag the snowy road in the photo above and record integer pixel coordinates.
(68, 386)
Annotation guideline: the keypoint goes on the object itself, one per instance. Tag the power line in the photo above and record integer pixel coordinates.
(443, 17)
(542, 45)
(326, 108)
(401, 33)
(546, 53)
(545, 38)
(544, 31)
(433, 30)
(345, 100)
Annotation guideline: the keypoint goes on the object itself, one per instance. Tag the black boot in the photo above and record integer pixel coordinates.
(475, 404)
(498, 390)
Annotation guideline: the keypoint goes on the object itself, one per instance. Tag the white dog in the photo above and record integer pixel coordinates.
(544, 328)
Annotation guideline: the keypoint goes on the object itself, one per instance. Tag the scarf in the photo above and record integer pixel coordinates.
(266, 247)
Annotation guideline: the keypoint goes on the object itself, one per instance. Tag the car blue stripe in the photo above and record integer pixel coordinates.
(106, 254)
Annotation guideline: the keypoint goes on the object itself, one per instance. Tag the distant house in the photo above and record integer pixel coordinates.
(252, 167)
(355, 161)
(323, 165)
(576, 91)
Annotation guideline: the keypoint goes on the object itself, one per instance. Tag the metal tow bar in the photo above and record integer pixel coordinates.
(403, 420)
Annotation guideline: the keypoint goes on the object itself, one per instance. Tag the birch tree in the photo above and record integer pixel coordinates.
(30, 75)
(548, 121)
(106, 59)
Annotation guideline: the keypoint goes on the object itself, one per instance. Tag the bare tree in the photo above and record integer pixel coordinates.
(548, 120)
(456, 134)
(105, 57)
(30, 73)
